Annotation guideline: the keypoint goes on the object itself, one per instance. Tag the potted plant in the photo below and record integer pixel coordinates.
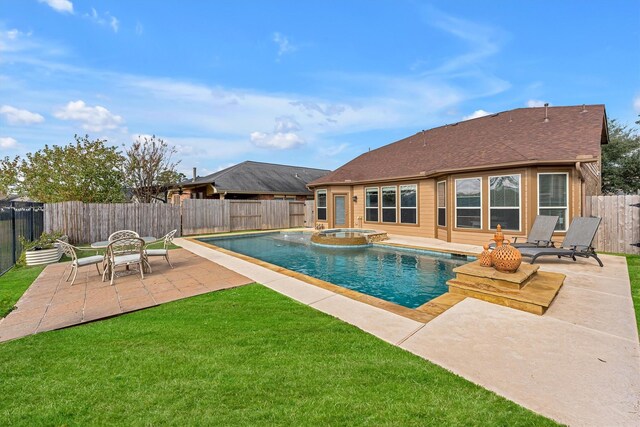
(41, 251)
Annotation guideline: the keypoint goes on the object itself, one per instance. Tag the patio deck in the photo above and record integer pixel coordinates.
(51, 303)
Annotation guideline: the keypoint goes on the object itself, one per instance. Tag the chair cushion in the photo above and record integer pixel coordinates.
(95, 259)
(126, 259)
(156, 252)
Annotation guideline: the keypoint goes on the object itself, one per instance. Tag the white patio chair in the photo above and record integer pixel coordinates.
(70, 251)
(121, 234)
(164, 252)
(124, 252)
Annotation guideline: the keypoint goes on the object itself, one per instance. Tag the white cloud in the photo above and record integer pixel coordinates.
(94, 119)
(476, 114)
(7, 142)
(115, 24)
(284, 135)
(104, 19)
(139, 28)
(636, 104)
(535, 103)
(332, 150)
(63, 6)
(15, 115)
(284, 46)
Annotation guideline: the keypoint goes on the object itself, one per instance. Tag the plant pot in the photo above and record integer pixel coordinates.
(43, 256)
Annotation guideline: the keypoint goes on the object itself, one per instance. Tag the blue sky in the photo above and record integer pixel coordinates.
(306, 83)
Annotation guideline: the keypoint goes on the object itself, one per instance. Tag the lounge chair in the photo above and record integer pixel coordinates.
(577, 243)
(539, 235)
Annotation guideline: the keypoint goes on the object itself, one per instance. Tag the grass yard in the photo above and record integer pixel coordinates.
(244, 356)
(633, 263)
(13, 284)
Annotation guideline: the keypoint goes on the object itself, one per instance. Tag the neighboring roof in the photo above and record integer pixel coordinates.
(519, 136)
(15, 198)
(261, 178)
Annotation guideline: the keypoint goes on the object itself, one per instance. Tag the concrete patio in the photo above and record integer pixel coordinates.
(52, 303)
(578, 364)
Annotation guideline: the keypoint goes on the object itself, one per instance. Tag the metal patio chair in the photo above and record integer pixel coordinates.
(124, 252)
(76, 263)
(164, 252)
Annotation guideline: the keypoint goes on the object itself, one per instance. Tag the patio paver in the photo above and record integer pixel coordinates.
(52, 303)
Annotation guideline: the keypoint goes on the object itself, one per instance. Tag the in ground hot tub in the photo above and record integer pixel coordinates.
(354, 237)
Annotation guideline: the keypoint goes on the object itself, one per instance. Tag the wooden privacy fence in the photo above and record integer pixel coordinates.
(215, 216)
(620, 226)
(92, 222)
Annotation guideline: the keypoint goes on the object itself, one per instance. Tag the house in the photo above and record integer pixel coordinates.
(250, 181)
(457, 182)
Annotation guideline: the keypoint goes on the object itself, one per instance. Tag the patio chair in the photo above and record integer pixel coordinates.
(164, 252)
(540, 234)
(124, 252)
(577, 243)
(121, 234)
(76, 263)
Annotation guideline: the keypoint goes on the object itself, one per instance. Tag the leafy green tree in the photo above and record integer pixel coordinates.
(149, 169)
(86, 170)
(621, 159)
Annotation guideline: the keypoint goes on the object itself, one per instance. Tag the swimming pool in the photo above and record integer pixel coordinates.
(405, 277)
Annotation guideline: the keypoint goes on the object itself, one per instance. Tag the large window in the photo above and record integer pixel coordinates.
(371, 205)
(553, 197)
(442, 204)
(321, 208)
(389, 204)
(469, 203)
(504, 202)
(409, 204)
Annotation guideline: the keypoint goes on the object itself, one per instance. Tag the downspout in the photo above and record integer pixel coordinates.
(583, 189)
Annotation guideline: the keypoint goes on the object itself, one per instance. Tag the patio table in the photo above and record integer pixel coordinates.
(104, 243)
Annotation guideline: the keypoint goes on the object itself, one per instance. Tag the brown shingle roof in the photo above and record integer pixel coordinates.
(517, 136)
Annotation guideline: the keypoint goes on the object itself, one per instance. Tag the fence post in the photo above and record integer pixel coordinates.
(14, 244)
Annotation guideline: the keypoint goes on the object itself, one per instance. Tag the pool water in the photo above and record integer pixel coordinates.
(405, 277)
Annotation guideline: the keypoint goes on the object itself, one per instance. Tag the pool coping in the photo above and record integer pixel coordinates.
(423, 314)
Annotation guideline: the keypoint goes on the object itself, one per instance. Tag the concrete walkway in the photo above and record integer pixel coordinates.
(578, 364)
(52, 303)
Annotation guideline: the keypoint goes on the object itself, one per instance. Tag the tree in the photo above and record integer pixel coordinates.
(621, 159)
(86, 171)
(149, 170)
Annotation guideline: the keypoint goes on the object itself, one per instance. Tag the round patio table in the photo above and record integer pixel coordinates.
(104, 243)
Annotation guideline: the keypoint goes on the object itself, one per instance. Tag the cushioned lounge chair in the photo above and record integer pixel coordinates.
(539, 235)
(577, 243)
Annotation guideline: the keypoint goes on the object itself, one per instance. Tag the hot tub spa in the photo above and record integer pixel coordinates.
(354, 237)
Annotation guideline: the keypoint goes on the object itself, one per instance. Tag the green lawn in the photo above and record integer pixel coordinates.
(244, 356)
(633, 263)
(13, 284)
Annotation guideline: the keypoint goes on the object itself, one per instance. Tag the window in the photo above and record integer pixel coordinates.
(321, 209)
(504, 202)
(469, 203)
(389, 204)
(442, 204)
(553, 197)
(371, 205)
(408, 204)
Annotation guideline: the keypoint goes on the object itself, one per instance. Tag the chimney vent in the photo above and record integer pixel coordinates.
(584, 108)
(194, 174)
(546, 112)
